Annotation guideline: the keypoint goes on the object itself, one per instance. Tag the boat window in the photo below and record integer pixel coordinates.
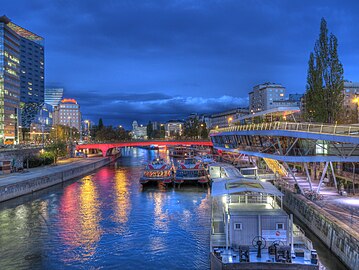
(238, 226)
(279, 226)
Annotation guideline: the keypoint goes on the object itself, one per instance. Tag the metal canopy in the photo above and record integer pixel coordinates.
(243, 185)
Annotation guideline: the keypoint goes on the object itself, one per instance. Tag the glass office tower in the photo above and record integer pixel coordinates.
(31, 73)
(9, 82)
(53, 95)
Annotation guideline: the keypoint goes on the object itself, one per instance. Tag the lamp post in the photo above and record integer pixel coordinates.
(70, 136)
(87, 122)
(230, 119)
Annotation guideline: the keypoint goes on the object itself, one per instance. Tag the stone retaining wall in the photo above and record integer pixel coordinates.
(48, 179)
(342, 240)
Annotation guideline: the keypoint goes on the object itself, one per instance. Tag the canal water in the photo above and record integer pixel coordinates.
(106, 220)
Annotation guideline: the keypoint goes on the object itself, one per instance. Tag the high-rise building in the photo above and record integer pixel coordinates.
(263, 96)
(22, 80)
(31, 73)
(68, 113)
(54, 95)
(9, 82)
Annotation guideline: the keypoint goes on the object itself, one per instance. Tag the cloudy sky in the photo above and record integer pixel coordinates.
(126, 60)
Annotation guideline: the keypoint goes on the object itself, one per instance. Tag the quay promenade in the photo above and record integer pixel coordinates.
(18, 184)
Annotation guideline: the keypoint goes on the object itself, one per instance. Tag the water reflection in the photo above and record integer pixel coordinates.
(107, 221)
(79, 217)
(123, 204)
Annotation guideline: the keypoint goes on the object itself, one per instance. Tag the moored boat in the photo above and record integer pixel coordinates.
(250, 229)
(180, 152)
(191, 170)
(157, 171)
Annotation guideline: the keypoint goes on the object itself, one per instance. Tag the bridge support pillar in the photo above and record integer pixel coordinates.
(333, 173)
(295, 179)
(308, 176)
(322, 177)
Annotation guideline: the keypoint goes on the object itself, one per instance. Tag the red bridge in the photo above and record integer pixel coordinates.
(106, 148)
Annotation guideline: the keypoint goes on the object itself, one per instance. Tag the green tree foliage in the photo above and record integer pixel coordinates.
(56, 150)
(195, 129)
(149, 130)
(110, 133)
(62, 133)
(100, 124)
(204, 131)
(325, 80)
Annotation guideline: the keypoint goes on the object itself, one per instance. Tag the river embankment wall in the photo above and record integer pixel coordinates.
(339, 237)
(48, 177)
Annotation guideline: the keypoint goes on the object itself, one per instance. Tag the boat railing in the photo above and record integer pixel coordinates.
(299, 234)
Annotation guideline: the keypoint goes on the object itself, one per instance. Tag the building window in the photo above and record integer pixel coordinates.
(279, 226)
(238, 226)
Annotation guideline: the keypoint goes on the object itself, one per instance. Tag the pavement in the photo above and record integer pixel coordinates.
(18, 177)
(344, 208)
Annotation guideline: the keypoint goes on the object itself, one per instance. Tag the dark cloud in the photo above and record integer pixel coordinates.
(129, 51)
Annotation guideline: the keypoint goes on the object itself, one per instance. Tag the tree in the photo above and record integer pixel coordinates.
(100, 124)
(149, 130)
(204, 131)
(57, 149)
(325, 80)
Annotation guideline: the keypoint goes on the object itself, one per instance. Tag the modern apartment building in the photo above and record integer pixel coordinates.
(68, 113)
(54, 95)
(224, 119)
(351, 98)
(263, 96)
(173, 128)
(9, 82)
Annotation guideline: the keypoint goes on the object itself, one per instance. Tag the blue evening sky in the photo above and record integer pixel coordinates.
(160, 60)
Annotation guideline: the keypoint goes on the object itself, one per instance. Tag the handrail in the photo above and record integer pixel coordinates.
(343, 130)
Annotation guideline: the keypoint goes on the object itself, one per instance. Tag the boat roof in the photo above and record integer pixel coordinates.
(242, 185)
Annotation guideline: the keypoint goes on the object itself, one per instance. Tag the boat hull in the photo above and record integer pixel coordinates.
(145, 180)
(217, 264)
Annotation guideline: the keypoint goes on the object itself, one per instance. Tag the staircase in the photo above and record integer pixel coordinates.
(275, 166)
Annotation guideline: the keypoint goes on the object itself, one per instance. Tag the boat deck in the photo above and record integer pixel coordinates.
(232, 257)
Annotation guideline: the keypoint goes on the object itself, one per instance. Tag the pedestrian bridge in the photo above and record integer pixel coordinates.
(106, 148)
(292, 142)
(280, 143)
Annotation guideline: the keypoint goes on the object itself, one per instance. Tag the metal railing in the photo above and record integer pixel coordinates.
(343, 130)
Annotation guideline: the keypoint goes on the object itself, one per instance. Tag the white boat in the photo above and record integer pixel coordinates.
(219, 171)
(180, 152)
(157, 171)
(206, 159)
(191, 170)
(250, 230)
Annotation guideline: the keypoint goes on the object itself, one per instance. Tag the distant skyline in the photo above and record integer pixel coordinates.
(161, 60)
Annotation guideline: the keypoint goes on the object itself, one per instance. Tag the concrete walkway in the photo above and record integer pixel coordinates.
(18, 177)
(344, 208)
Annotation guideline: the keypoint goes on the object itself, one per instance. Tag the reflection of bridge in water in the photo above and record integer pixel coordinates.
(106, 148)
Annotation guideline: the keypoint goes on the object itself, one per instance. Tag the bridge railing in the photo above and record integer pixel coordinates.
(148, 141)
(344, 130)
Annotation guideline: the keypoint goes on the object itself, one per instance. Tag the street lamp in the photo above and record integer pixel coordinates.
(230, 119)
(70, 135)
